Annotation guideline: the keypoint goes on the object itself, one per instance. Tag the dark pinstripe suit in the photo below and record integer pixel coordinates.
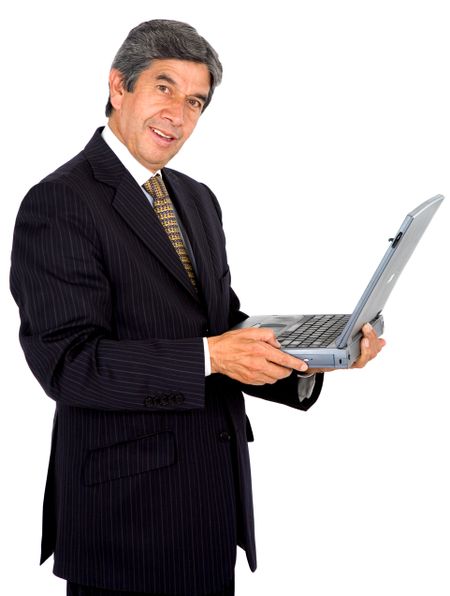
(149, 484)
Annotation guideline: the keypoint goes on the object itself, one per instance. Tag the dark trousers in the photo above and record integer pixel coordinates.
(76, 590)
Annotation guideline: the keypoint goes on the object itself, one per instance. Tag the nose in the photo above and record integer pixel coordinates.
(174, 111)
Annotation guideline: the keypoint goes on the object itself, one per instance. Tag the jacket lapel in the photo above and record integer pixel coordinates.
(132, 205)
(186, 205)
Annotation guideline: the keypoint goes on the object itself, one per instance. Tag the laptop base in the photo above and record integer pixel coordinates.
(329, 357)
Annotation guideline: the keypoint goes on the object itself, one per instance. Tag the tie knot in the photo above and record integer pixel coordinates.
(156, 187)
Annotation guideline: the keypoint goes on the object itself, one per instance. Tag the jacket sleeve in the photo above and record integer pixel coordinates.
(65, 302)
(285, 392)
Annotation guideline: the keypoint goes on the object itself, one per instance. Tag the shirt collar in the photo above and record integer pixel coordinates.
(139, 172)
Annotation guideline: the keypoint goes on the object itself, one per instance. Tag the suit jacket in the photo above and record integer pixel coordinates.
(149, 485)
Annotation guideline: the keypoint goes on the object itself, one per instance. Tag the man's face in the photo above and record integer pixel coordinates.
(159, 115)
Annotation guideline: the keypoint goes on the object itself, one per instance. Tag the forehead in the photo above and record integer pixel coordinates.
(182, 73)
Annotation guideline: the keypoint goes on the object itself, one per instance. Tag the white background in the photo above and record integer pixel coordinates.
(332, 122)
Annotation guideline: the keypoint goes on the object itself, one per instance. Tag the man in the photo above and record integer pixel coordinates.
(120, 273)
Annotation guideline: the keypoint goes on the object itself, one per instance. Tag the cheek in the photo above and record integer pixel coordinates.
(136, 121)
(190, 124)
(135, 109)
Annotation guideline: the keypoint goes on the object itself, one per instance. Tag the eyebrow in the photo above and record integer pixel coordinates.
(168, 79)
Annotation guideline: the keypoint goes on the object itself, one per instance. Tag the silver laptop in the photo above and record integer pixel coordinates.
(333, 341)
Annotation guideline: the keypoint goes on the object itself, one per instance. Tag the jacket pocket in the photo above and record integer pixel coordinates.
(129, 458)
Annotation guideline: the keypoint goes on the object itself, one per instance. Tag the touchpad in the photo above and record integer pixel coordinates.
(278, 323)
(275, 326)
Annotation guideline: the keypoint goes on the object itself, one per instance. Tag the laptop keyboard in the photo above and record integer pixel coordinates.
(314, 332)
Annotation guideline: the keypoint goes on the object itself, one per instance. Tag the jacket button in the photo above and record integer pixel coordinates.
(225, 436)
(178, 398)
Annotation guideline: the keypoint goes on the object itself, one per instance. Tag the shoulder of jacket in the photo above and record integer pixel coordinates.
(73, 170)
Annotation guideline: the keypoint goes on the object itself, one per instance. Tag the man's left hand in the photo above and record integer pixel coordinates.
(371, 345)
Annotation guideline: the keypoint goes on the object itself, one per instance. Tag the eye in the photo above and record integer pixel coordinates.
(163, 88)
(194, 103)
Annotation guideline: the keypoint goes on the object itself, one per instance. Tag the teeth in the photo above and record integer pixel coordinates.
(161, 134)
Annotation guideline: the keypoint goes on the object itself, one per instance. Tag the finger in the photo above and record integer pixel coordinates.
(364, 356)
(375, 344)
(258, 371)
(366, 349)
(369, 332)
(273, 342)
(279, 357)
(266, 345)
(274, 373)
(369, 349)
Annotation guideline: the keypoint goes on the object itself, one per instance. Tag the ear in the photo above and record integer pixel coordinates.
(116, 88)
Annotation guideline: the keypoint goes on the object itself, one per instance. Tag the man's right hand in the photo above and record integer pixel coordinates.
(251, 356)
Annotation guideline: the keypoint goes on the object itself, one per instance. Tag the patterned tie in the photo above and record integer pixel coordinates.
(164, 210)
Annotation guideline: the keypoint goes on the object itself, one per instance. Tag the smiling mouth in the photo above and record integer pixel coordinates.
(162, 135)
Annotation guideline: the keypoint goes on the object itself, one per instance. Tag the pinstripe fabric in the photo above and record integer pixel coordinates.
(149, 484)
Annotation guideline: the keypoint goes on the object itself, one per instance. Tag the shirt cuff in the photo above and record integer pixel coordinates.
(207, 357)
(305, 386)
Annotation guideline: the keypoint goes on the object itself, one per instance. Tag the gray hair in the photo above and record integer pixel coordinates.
(162, 40)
